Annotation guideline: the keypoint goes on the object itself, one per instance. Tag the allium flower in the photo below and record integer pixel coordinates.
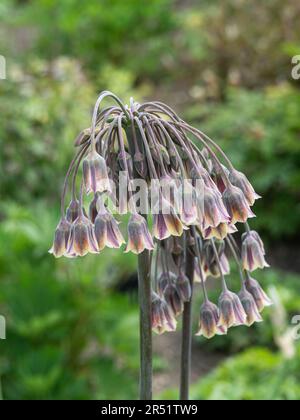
(250, 307)
(167, 224)
(238, 179)
(209, 321)
(183, 287)
(237, 205)
(82, 238)
(214, 211)
(139, 237)
(149, 143)
(61, 238)
(107, 232)
(259, 296)
(95, 173)
(162, 317)
(73, 211)
(253, 252)
(220, 232)
(173, 299)
(232, 313)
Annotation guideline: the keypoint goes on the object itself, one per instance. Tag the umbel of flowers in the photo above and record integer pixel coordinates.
(150, 142)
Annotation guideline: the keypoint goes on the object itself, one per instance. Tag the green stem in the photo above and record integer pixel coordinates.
(144, 271)
(186, 345)
(145, 326)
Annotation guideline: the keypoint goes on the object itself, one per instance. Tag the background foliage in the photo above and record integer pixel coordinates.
(226, 66)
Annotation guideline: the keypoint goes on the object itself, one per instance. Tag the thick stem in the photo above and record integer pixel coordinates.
(144, 272)
(145, 326)
(186, 346)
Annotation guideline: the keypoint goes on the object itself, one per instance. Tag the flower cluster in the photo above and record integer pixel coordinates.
(190, 199)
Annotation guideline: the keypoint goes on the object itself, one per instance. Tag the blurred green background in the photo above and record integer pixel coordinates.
(72, 326)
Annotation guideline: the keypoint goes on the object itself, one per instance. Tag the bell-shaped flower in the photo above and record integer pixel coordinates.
(73, 211)
(209, 321)
(162, 317)
(237, 205)
(253, 252)
(250, 307)
(232, 313)
(173, 299)
(95, 173)
(61, 238)
(107, 232)
(260, 297)
(139, 237)
(82, 238)
(214, 211)
(166, 222)
(238, 179)
(220, 232)
(183, 287)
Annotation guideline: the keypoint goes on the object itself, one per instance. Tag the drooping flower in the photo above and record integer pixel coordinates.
(183, 287)
(209, 321)
(260, 297)
(166, 277)
(253, 252)
(220, 232)
(95, 173)
(73, 211)
(82, 238)
(250, 307)
(214, 212)
(232, 313)
(61, 238)
(139, 237)
(162, 317)
(238, 179)
(173, 299)
(107, 232)
(237, 205)
(167, 223)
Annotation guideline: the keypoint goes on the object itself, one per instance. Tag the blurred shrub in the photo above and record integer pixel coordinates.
(256, 374)
(69, 334)
(44, 105)
(40, 114)
(260, 131)
(132, 34)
